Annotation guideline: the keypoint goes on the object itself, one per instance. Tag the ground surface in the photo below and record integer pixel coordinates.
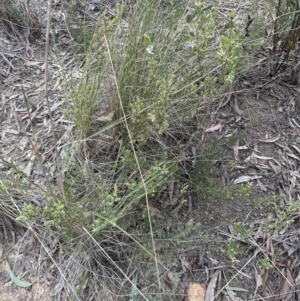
(260, 141)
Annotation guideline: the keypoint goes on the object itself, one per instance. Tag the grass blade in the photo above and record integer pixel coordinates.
(15, 279)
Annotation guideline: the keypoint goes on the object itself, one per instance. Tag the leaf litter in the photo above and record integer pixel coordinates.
(266, 154)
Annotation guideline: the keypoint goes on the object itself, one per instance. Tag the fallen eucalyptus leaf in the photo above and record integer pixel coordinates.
(233, 296)
(262, 157)
(210, 292)
(296, 148)
(293, 156)
(244, 179)
(213, 128)
(270, 140)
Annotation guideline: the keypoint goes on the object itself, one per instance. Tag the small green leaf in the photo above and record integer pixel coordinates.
(148, 40)
(14, 279)
(237, 289)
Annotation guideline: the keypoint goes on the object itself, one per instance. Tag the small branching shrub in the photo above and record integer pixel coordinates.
(265, 264)
(229, 55)
(200, 27)
(149, 73)
(138, 73)
(233, 249)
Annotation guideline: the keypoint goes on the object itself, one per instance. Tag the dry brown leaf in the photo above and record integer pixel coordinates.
(227, 99)
(265, 279)
(185, 264)
(236, 107)
(241, 167)
(258, 280)
(233, 297)
(292, 102)
(238, 119)
(276, 168)
(213, 128)
(171, 190)
(57, 288)
(193, 150)
(284, 147)
(210, 292)
(29, 167)
(173, 279)
(23, 142)
(236, 151)
(295, 122)
(226, 115)
(31, 63)
(270, 140)
(196, 292)
(297, 280)
(262, 157)
(289, 274)
(296, 148)
(293, 156)
(177, 208)
(261, 185)
(245, 179)
(295, 263)
(287, 285)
